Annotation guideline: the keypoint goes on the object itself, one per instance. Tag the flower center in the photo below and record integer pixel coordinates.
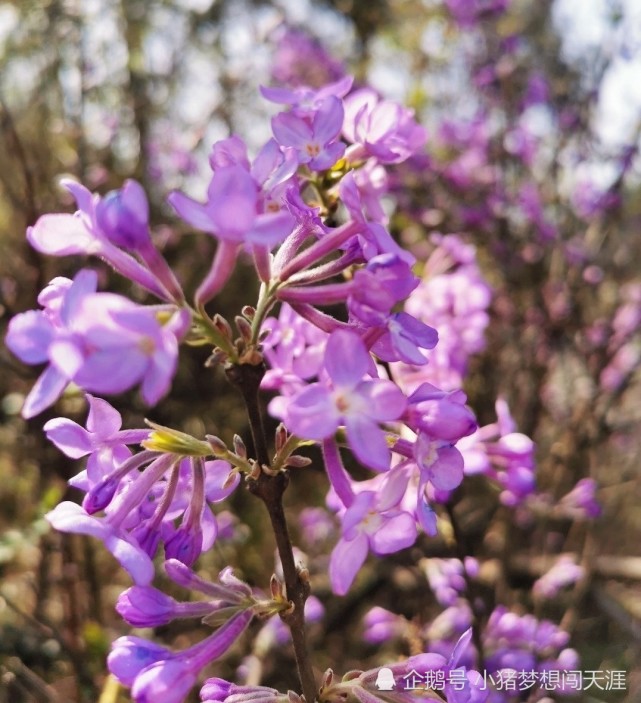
(312, 149)
(147, 346)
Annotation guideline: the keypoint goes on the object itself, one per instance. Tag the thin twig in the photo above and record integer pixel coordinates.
(270, 490)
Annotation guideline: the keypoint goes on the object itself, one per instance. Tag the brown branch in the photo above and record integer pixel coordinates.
(270, 490)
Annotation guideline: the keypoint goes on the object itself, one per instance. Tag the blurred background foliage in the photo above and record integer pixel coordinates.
(104, 91)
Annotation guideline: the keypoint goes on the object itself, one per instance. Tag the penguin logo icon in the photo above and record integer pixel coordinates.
(385, 680)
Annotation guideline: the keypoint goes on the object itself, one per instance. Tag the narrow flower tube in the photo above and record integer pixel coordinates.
(101, 494)
(319, 319)
(262, 262)
(170, 679)
(140, 488)
(219, 273)
(291, 245)
(317, 295)
(336, 472)
(326, 245)
(145, 606)
(186, 544)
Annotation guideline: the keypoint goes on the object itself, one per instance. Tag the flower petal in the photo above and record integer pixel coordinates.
(346, 358)
(70, 517)
(46, 390)
(367, 441)
(385, 400)
(191, 211)
(70, 438)
(347, 558)
(103, 420)
(396, 533)
(311, 414)
(59, 234)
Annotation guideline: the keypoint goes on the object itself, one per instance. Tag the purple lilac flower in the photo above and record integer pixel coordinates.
(101, 341)
(142, 508)
(377, 287)
(510, 641)
(447, 578)
(372, 522)
(371, 294)
(524, 643)
(230, 212)
(244, 206)
(303, 101)
(102, 441)
(440, 414)
(382, 625)
(580, 503)
(432, 465)
(564, 572)
(294, 349)
(403, 339)
(380, 128)
(461, 684)
(372, 238)
(236, 210)
(123, 216)
(504, 455)
(70, 517)
(344, 397)
(217, 690)
(104, 227)
(159, 674)
(314, 138)
(145, 606)
(317, 526)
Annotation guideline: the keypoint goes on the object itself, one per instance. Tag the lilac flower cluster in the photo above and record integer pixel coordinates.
(506, 456)
(509, 641)
(357, 369)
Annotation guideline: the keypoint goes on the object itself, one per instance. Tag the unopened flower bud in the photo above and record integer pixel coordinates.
(218, 357)
(328, 677)
(239, 446)
(123, 216)
(100, 495)
(144, 606)
(298, 462)
(230, 480)
(243, 327)
(185, 545)
(276, 588)
(280, 437)
(130, 655)
(217, 445)
(221, 324)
